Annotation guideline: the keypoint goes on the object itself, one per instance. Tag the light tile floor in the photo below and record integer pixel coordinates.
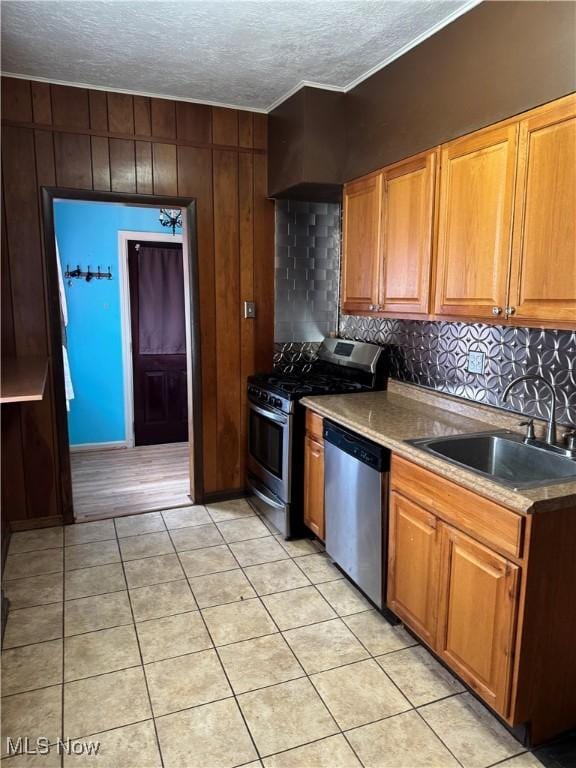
(196, 638)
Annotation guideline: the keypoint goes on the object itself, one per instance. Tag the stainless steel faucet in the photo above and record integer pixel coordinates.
(551, 427)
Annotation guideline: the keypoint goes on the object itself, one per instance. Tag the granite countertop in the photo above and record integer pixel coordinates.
(390, 418)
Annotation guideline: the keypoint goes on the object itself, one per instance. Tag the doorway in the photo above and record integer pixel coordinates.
(156, 376)
(158, 342)
(155, 464)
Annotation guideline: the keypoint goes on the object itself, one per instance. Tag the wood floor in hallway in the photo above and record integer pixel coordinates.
(129, 480)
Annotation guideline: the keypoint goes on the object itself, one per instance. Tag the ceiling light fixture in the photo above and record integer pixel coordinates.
(171, 217)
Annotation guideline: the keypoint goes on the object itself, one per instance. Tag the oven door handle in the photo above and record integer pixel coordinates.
(268, 414)
(264, 497)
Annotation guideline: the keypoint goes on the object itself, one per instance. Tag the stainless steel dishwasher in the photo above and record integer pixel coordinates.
(356, 492)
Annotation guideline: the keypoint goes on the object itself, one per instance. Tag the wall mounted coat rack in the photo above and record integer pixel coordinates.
(88, 275)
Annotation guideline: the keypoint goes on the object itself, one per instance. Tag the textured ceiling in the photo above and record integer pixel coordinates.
(247, 53)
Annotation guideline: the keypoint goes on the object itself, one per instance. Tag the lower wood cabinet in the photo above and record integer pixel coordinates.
(314, 475)
(456, 594)
(477, 615)
(491, 592)
(413, 568)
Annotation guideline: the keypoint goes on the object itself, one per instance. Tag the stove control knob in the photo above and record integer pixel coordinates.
(277, 402)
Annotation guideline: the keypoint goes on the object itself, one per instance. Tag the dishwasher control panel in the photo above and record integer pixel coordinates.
(373, 455)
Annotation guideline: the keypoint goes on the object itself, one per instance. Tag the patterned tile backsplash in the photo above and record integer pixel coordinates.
(307, 270)
(435, 355)
(295, 357)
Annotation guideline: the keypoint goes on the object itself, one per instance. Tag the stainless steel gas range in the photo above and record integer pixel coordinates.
(276, 423)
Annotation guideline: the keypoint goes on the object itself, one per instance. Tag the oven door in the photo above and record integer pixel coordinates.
(269, 448)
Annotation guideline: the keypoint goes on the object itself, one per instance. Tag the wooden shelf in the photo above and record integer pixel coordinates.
(23, 379)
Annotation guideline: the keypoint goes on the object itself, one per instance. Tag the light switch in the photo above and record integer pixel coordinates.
(249, 309)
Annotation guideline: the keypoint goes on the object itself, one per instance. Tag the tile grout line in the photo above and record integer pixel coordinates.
(375, 659)
(347, 741)
(141, 657)
(304, 676)
(147, 557)
(438, 737)
(307, 675)
(257, 751)
(185, 577)
(224, 645)
(165, 529)
(372, 658)
(106, 730)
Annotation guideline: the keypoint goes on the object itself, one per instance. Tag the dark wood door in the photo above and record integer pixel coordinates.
(158, 343)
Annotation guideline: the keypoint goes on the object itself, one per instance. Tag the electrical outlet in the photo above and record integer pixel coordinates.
(475, 362)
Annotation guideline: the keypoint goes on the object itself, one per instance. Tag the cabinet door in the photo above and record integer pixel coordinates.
(477, 617)
(475, 223)
(362, 210)
(543, 276)
(407, 235)
(314, 487)
(413, 566)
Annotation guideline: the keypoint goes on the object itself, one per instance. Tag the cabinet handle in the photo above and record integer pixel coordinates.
(496, 310)
(509, 311)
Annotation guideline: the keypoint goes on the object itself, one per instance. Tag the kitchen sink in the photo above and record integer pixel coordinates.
(503, 457)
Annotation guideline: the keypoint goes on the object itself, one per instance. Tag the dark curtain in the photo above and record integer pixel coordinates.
(161, 301)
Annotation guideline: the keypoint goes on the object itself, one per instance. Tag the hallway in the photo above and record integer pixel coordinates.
(128, 480)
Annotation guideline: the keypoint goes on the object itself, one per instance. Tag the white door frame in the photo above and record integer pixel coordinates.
(125, 317)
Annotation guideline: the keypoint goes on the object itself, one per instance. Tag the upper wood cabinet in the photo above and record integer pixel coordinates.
(362, 216)
(475, 223)
(388, 224)
(408, 214)
(481, 228)
(543, 274)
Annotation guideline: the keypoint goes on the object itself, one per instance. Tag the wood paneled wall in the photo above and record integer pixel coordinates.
(71, 137)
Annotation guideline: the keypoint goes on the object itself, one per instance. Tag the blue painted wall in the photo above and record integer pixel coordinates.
(87, 234)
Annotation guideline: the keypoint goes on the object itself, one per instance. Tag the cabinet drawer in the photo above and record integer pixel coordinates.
(463, 508)
(314, 424)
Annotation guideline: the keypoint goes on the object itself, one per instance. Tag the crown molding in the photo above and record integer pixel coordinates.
(381, 65)
(167, 97)
(298, 87)
(291, 92)
(413, 43)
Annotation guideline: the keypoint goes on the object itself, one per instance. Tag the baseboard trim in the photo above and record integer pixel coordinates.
(36, 522)
(6, 533)
(214, 496)
(111, 446)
